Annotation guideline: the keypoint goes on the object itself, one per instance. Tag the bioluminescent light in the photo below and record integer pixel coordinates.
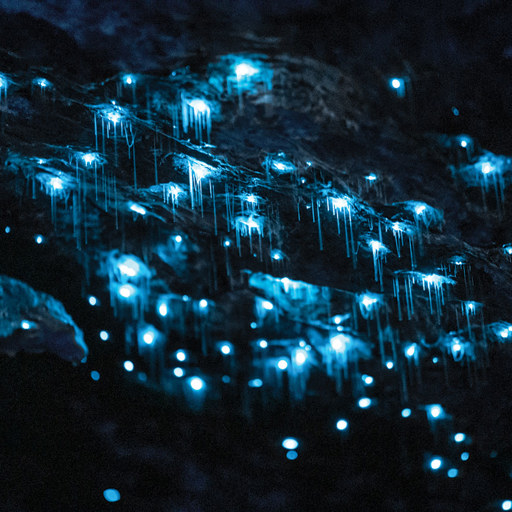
(196, 114)
(300, 356)
(203, 303)
(406, 412)
(339, 342)
(277, 255)
(127, 290)
(196, 383)
(178, 372)
(459, 437)
(56, 183)
(42, 82)
(290, 443)
(435, 463)
(245, 70)
(111, 495)
(178, 239)
(282, 364)
(506, 505)
(291, 455)
(367, 379)
(181, 355)
(342, 424)
(398, 85)
(435, 411)
(137, 208)
(265, 304)
(95, 375)
(226, 348)
(93, 301)
(263, 343)
(39, 239)
(255, 383)
(364, 403)
(104, 335)
(128, 366)
(148, 334)
(27, 325)
(129, 79)
(452, 473)
(390, 365)
(163, 310)
(464, 456)
(89, 158)
(371, 177)
(410, 351)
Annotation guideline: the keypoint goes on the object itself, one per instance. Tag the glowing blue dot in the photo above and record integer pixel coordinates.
(455, 111)
(111, 495)
(149, 336)
(178, 239)
(436, 463)
(203, 303)
(290, 443)
(263, 343)
(39, 239)
(254, 325)
(282, 364)
(506, 505)
(137, 208)
(435, 360)
(226, 379)
(95, 375)
(225, 349)
(196, 383)
(463, 143)
(227, 243)
(410, 350)
(277, 255)
(459, 437)
(178, 372)
(435, 411)
(162, 309)
(367, 379)
(291, 455)
(396, 83)
(104, 335)
(390, 365)
(181, 355)
(464, 456)
(255, 383)
(129, 366)
(26, 325)
(453, 473)
(7, 229)
(406, 412)
(93, 300)
(342, 425)
(127, 290)
(129, 80)
(300, 357)
(364, 403)
(267, 305)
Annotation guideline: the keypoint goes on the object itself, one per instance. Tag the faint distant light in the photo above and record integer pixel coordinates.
(7, 229)
(291, 455)
(464, 456)
(342, 425)
(459, 437)
(364, 403)
(267, 305)
(436, 463)
(406, 412)
(282, 364)
(104, 335)
(93, 300)
(290, 443)
(95, 375)
(455, 111)
(390, 365)
(111, 495)
(178, 372)
(203, 303)
(506, 505)
(263, 343)
(128, 366)
(39, 239)
(181, 355)
(196, 383)
(453, 473)
(255, 383)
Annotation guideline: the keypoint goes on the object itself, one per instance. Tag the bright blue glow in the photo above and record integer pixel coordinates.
(203, 303)
(226, 379)
(371, 177)
(149, 335)
(455, 111)
(178, 239)
(137, 208)
(263, 343)
(128, 267)
(390, 365)
(435, 360)
(342, 425)
(128, 366)
(396, 83)
(104, 335)
(199, 106)
(291, 455)
(26, 325)
(459, 437)
(162, 309)
(225, 349)
(89, 158)
(436, 463)
(39, 239)
(181, 355)
(111, 495)
(277, 255)
(282, 364)
(245, 70)
(367, 379)
(338, 319)
(339, 342)
(254, 325)
(56, 183)
(464, 456)
(290, 443)
(227, 243)
(506, 505)
(42, 82)
(129, 79)
(364, 403)
(453, 473)
(95, 375)
(435, 411)
(127, 290)
(93, 300)
(255, 383)
(406, 412)
(410, 351)
(196, 383)
(300, 356)
(178, 372)
(7, 229)
(267, 305)
(3, 82)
